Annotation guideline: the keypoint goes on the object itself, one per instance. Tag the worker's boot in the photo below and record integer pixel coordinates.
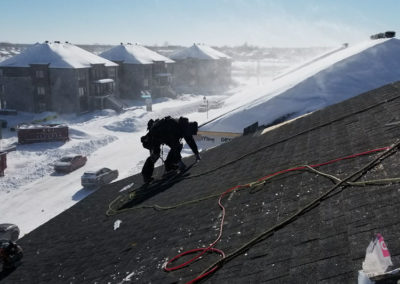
(170, 170)
(181, 166)
(147, 180)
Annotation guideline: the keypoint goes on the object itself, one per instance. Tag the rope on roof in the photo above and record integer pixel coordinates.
(292, 136)
(115, 206)
(388, 151)
(340, 183)
(314, 203)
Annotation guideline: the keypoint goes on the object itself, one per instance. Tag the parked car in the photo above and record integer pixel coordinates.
(70, 163)
(95, 179)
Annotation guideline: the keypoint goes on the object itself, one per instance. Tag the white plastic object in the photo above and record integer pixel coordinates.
(377, 257)
(117, 223)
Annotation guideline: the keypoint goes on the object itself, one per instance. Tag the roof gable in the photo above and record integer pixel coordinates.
(199, 51)
(134, 54)
(55, 55)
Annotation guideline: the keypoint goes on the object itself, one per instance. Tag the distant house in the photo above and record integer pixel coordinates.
(55, 76)
(201, 68)
(141, 70)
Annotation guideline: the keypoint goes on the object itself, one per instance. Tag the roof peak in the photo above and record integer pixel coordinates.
(199, 51)
(134, 54)
(56, 54)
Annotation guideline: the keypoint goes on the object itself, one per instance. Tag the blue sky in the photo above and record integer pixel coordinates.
(285, 23)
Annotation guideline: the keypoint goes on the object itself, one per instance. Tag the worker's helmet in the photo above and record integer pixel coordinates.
(150, 124)
(193, 127)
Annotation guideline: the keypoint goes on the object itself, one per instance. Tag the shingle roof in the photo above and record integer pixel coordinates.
(325, 244)
(57, 55)
(134, 54)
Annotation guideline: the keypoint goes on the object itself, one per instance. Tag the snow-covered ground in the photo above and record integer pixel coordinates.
(31, 193)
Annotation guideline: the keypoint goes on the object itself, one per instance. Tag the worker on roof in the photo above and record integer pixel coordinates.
(10, 253)
(168, 131)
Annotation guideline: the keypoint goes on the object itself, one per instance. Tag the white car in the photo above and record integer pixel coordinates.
(95, 179)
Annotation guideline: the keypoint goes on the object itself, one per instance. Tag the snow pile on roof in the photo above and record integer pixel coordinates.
(199, 51)
(134, 54)
(326, 81)
(57, 55)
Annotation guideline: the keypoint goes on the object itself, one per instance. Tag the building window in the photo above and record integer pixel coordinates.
(39, 73)
(41, 91)
(1, 72)
(81, 91)
(146, 82)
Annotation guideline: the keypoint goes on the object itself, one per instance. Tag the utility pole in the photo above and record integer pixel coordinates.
(205, 103)
(207, 109)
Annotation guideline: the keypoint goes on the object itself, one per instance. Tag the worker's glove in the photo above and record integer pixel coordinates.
(198, 158)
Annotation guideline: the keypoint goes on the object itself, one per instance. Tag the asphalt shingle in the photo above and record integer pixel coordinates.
(324, 245)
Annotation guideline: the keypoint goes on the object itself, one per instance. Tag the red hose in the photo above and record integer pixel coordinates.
(211, 248)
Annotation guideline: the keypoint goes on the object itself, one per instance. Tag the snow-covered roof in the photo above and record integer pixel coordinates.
(199, 51)
(134, 54)
(57, 55)
(324, 81)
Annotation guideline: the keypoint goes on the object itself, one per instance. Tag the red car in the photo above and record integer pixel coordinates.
(70, 163)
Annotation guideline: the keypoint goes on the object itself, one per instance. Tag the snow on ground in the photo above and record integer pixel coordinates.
(31, 193)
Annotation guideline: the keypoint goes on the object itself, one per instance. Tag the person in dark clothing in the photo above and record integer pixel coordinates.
(10, 253)
(10, 257)
(168, 131)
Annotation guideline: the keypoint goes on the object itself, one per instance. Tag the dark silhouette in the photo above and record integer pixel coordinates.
(10, 253)
(168, 131)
